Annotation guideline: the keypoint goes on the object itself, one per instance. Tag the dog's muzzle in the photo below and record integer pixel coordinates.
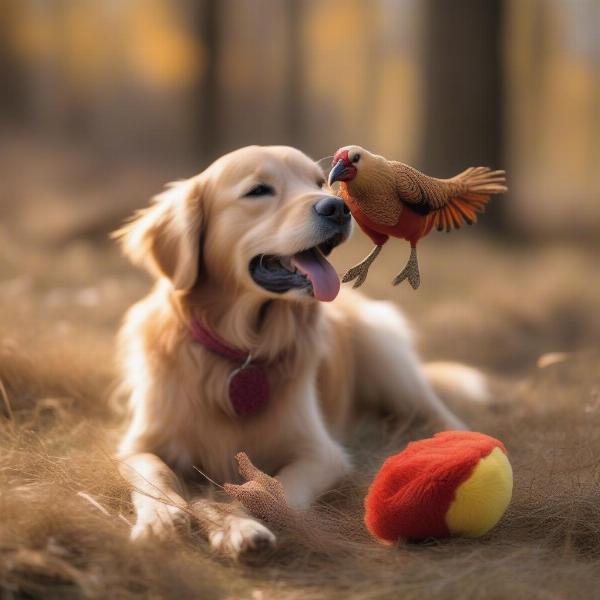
(308, 269)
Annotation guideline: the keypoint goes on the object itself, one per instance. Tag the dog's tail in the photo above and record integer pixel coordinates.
(455, 380)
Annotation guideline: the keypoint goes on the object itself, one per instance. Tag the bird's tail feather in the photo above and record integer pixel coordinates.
(470, 192)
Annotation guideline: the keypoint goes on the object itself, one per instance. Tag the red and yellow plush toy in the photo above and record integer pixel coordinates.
(456, 483)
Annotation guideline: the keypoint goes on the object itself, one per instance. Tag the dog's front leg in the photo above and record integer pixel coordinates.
(157, 497)
(162, 512)
(231, 532)
(312, 474)
(319, 462)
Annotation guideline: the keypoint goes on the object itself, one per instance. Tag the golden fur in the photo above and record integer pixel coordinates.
(198, 238)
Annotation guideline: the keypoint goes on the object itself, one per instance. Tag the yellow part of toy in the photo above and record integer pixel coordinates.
(483, 498)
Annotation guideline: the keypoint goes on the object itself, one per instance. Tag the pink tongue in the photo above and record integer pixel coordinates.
(322, 275)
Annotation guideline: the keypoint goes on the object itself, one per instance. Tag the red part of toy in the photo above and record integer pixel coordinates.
(412, 492)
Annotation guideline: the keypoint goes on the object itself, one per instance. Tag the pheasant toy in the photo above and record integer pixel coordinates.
(388, 198)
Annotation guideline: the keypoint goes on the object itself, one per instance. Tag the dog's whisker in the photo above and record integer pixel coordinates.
(324, 158)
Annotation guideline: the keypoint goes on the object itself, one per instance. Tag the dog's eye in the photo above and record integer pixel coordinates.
(260, 190)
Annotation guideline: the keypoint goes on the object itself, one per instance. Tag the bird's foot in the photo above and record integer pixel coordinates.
(360, 271)
(410, 271)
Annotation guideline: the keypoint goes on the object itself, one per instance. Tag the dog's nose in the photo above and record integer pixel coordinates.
(333, 209)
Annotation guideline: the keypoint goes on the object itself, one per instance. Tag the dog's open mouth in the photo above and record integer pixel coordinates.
(306, 270)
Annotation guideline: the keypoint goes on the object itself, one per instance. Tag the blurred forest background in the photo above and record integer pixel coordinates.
(441, 85)
(103, 101)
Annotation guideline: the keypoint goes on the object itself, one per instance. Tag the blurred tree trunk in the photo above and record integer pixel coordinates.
(206, 98)
(463, 94)
(12, 100)
(370, 15)
(294, 14)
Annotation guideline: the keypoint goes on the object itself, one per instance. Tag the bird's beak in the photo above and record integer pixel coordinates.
(340, 172)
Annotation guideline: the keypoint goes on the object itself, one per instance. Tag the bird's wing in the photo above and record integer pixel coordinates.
(454, 201)
(423, 193)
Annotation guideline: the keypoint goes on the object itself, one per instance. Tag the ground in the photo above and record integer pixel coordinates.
(488, 301)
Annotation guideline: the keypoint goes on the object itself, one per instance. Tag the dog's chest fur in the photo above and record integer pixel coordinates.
(204, 431)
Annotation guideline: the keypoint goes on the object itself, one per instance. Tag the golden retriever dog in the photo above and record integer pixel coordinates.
(243, 282)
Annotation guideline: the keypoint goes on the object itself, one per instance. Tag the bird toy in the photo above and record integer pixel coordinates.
(388, 198)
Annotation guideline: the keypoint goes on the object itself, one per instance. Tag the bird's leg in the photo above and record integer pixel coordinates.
(410, 271)
(359, 271)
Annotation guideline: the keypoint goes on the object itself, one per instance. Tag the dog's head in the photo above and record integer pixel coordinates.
(258, 218)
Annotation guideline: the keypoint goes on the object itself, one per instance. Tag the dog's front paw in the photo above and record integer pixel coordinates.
(243, 540)
(161, 521)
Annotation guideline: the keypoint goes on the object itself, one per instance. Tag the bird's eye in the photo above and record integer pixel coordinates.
(320, 183)
(261, 189)
(356, 158)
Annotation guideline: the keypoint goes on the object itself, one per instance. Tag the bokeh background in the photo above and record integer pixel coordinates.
(103, 102)
(168, 85)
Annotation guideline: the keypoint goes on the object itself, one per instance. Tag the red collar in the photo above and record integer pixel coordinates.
(211, 342)
(248, 384)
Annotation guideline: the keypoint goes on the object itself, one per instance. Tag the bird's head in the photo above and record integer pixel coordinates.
(350, 163)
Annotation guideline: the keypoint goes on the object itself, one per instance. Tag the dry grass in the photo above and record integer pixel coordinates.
(64, 509)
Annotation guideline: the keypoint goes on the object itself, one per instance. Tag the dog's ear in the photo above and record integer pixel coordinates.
(165, 238)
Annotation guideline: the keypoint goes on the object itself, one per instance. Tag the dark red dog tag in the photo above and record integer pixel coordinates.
(248, 390)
